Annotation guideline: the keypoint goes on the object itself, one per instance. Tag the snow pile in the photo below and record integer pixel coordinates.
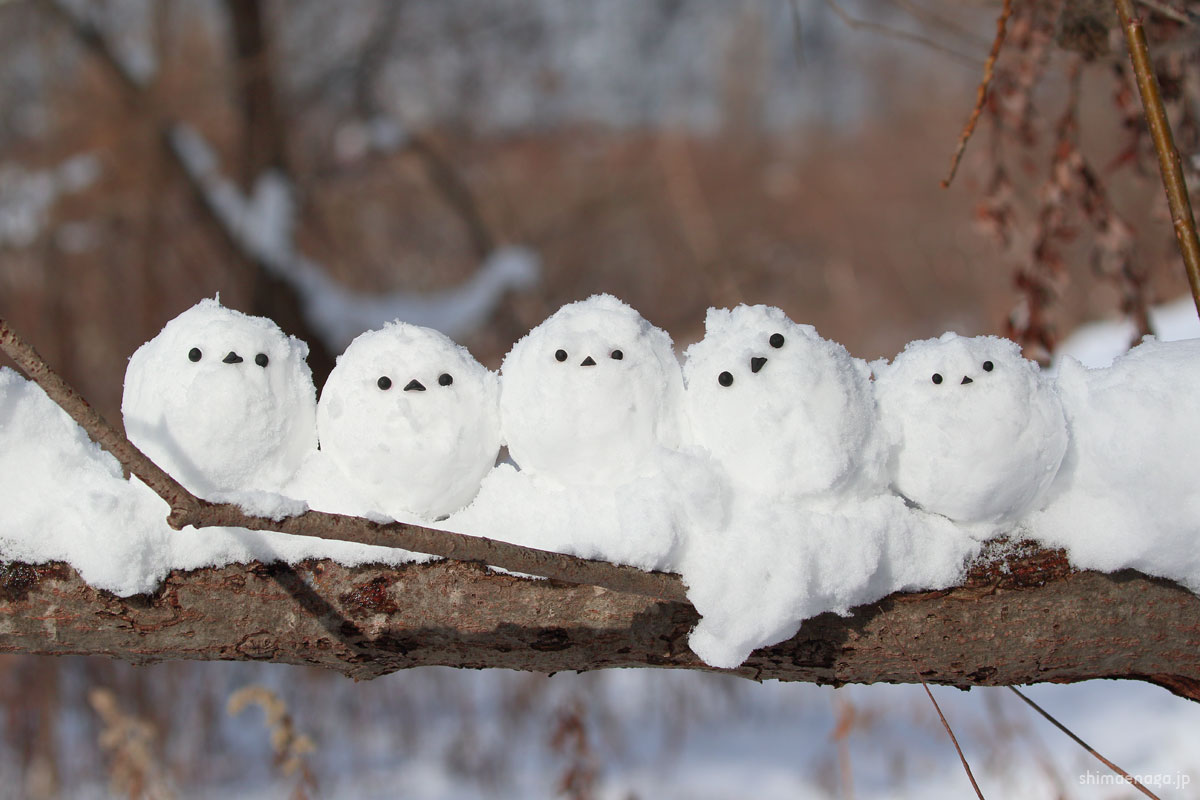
(1097, 344)
(66, 500)
(411, 420)
(770, 470)
(791, 419)
(1126, 496)
(222, 401)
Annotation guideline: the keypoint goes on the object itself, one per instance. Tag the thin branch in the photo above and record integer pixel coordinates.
(1164, 145)
(187, 509)
(97, 427)
(897, 33)
(953, 739)
(1134, 781)
(916, 672)
(1184, 17)
(981, 93)
(938, 21)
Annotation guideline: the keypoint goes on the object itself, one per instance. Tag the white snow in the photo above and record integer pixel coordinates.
(590, 411)
(791, 419)
(785, 412)
(66, 500)
(222, 401)
(412, 421)
(263, 225)
(977, 432)
(1127, 493)
(770, 494)
(591, 395)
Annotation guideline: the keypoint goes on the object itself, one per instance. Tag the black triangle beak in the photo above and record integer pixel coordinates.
(967, 380)
(414, 386)
(232, 358)
(756, 363)
(588, 362)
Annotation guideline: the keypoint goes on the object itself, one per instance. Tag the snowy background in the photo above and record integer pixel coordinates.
(678, 155)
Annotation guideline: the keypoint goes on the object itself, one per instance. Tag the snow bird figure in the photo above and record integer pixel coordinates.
(591, 395)
(411, 419)
(222, 401)
(786, 412)
(977, 433)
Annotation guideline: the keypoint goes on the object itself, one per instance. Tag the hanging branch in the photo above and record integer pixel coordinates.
(187, 509)
(981, 93)
(1164, 146)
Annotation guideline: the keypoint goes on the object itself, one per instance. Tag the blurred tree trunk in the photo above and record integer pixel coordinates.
(264, 148)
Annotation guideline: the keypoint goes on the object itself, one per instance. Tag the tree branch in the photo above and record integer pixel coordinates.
(1164, 145)
(980, 93)
(1026, 619)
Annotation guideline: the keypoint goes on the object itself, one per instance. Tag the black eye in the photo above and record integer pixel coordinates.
(776, 340)
(445, 379)
(261, 359)
(560, 355)
(725, 379)
(194, 354)
(937, 378)
(988, 366)
(617, 355)
(384, 383)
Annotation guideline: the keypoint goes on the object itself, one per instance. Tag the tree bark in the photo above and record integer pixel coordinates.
(1023, 618)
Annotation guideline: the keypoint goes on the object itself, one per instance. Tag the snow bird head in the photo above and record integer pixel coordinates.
(590, 392)
(781, 407)
(412, 416)
(221, 400)
(976, 431)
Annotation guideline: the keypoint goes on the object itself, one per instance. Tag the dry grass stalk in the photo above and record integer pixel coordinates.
(134, 772)
(289, 745)
(570, 737)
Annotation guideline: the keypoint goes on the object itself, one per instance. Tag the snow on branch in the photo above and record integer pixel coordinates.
(187, 509)
(262, 225)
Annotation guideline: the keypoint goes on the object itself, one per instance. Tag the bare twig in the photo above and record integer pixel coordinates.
(187, 509)
(1164, 145)
(961, 757)
(1184, 17)
(897, 33)
(953, 739)
(97, 427)
(1132, 780)
(981, 93)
